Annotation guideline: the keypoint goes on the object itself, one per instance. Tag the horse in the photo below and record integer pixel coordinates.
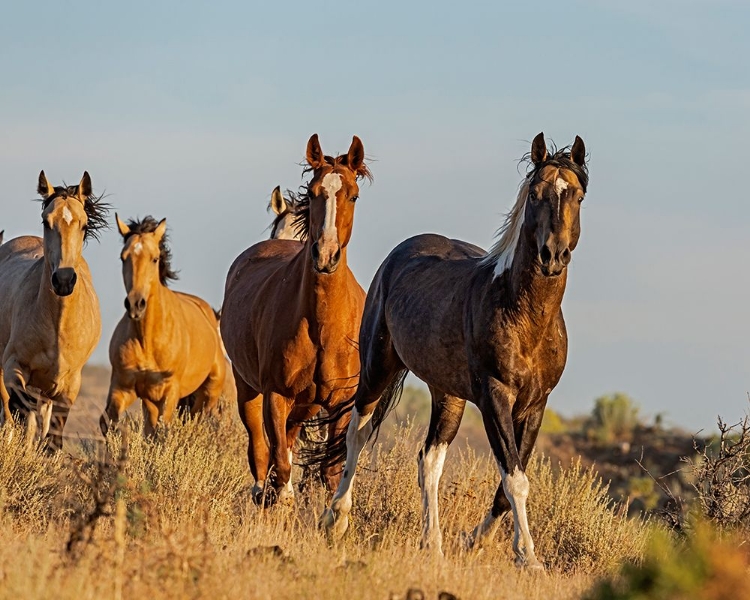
(49, 311)
(2, 233)
(166, 347)
(484, 327)
(285, 209)
(290, 316)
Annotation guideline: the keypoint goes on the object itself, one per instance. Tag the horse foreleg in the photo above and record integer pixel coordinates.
(445, 420)
(207, 395)
(495, 405)
(250, 407)
(119, 399)
(276, 411)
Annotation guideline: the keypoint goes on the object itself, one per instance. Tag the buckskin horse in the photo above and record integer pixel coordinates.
(49, 311)
(166, 347)
(484, 327)
(290, 319)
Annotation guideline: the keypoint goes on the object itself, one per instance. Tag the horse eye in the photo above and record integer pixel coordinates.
(154, 260)
(354, 198)
(580, 200)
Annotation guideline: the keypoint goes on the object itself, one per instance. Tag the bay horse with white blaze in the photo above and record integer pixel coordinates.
(290, 319)
(484, 327)
(167, 346)
(49, 311)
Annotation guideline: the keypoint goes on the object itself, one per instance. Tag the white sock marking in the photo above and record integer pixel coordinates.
(430, 469)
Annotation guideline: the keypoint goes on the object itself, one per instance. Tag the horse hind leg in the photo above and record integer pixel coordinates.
(250, 407)
(380, 368)
(445, 420)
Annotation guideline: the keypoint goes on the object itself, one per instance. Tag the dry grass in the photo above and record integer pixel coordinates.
(174, 520)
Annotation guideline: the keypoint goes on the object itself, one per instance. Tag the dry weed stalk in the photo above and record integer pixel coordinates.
(106, 484)
(722, 477)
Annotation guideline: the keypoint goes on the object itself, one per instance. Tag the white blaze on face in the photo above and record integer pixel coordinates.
(560, 186)
(137, 247)
(331, 185)
(67, 215)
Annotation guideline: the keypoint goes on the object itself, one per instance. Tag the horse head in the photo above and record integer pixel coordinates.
(145, 260)
(331, 194)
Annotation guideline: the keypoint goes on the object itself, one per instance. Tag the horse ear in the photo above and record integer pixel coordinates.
(578, 152)
(539, 149)
(356, 155)
(278, 204)
(1, 235)
(45, 189)
(84, 187)
(121, 226)
(314, 155)
(161, 229)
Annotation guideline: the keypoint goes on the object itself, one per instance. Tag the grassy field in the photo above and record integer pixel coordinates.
(173, 519)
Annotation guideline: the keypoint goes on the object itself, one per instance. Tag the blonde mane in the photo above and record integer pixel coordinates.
(502, 251)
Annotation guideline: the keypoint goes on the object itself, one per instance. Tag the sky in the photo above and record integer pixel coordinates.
(196, 111)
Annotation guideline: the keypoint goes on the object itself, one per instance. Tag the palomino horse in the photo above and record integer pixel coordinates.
(49, 312)
(166, 346)
(474, 326)
(290, 317)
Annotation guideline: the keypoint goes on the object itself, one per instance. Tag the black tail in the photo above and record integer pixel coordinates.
(333, 452)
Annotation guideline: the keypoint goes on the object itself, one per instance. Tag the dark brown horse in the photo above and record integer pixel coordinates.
(484, 327)
(290, 319)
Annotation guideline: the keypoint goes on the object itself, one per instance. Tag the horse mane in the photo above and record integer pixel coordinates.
(148, 225)
(293, 200)
(502, 251)
(301, 220)
(94, 206)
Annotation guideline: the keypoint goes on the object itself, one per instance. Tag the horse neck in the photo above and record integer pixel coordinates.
(536, 298)
(159, 317)
(323, 293)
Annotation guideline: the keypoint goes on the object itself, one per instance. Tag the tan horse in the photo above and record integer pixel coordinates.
(291, 312)
(49, 312)
(167, 346)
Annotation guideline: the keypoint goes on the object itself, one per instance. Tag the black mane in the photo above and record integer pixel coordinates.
(148, 225)
(96, 209)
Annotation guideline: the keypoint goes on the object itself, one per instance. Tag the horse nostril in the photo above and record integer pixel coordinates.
(545, 254)
(141, 304)
(315, 252)
(565, 256)
(73, 278)
(55, 279)
(336, 257)
(127, 304)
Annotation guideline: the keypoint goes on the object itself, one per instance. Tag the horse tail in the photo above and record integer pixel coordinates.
(332, 453)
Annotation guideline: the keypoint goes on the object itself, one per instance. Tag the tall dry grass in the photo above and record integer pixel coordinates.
(172, 518)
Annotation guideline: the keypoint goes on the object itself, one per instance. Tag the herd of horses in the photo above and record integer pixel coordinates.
(301, 336)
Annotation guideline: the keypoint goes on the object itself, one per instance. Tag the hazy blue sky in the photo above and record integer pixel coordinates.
(194, 112)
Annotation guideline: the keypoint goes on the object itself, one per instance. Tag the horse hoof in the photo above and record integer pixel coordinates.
(264, 496)
(529, 565)
(334, 527)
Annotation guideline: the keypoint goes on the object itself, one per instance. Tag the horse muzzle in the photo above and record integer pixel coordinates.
(64, 281)
(136, 307)
(326, 256)
(554, 261)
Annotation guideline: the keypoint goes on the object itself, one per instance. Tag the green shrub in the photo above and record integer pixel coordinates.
(613, 419)
(705, 565)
